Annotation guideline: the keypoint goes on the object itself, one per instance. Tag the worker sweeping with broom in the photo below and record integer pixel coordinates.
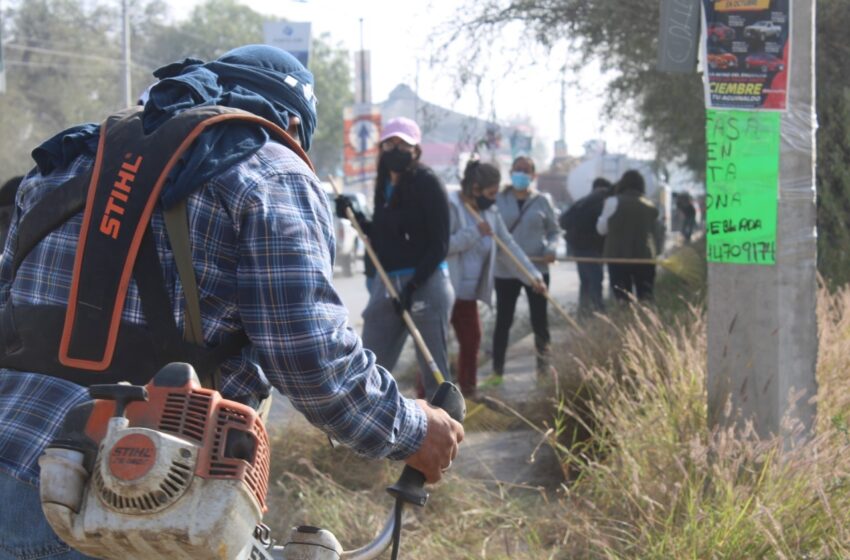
(531, 219)
(628, 222)
(472, 259)
(409, 233)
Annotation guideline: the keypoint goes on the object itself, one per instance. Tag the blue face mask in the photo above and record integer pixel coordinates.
(520, 180)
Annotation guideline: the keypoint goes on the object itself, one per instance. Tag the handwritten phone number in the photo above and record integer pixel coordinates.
(750, 252)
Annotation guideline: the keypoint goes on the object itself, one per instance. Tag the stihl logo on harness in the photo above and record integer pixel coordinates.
(130, 170)
(117, 245)
(110, 223)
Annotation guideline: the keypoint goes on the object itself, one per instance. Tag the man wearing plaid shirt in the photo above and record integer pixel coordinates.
(262, 242)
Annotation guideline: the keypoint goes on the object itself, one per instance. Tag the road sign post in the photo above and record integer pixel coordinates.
(362, 129)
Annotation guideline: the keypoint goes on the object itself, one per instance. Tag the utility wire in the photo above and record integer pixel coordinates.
(66, 48)
(41, 50)
(80, 56)
(32, 64)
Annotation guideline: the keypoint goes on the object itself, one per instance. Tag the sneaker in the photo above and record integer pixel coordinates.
(493, 381)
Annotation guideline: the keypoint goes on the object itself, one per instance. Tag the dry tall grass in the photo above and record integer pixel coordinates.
(313, 484)
(652, 481)
(648, 477)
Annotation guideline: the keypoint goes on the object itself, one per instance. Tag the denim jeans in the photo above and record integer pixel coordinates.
(590, 277)
(24, 531)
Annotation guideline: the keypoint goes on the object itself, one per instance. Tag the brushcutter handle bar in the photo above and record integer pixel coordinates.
(410, 487)
(122, 394)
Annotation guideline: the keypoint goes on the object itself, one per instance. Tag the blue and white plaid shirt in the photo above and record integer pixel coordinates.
(262, 244)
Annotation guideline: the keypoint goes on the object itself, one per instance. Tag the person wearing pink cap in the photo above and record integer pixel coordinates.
(410, 234)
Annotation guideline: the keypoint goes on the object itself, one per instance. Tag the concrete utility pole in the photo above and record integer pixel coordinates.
(762, 325)
(125, 45)
(2, 64)
(363, 94)
(562, 133)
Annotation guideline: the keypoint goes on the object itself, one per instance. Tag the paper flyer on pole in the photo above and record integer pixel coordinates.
(742, 186)
(746, 52)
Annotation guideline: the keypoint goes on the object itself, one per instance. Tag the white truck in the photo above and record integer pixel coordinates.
(763, 30)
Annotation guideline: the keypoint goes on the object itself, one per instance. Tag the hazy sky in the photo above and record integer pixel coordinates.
(397, 33)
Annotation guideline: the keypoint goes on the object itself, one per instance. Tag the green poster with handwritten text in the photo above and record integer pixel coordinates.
(742, 186)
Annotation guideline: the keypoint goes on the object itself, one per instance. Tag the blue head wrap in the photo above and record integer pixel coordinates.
(260, 79)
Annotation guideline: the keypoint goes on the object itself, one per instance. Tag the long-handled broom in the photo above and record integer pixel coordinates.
(529, 276)
(684, 262)
(408, 320)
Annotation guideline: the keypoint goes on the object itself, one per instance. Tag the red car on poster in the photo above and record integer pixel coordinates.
(720, 33)
(765, 62)
(718, 59)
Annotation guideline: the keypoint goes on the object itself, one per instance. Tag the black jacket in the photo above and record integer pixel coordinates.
(411, 230)
(579, 222)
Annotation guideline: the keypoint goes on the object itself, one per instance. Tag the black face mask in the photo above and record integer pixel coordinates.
(397, 160)
(483, 202)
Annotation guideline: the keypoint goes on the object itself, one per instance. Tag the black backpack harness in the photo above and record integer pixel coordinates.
(87, 343)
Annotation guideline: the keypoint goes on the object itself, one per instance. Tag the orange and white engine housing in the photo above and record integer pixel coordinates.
(183, 475)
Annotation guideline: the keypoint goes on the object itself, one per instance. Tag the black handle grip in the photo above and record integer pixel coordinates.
(449, 398)
(410, 486)
(120, 393)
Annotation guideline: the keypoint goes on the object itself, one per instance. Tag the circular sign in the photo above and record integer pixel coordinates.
(132, 457)
(363, 135)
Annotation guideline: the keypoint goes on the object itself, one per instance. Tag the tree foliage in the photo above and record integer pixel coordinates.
(833, 99)
(668, 109)
(622, 37)
(59, 71)
(64, 67)
(218, 25)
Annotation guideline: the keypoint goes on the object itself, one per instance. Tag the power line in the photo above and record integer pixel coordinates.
(80, 56)
(32, 64)
(54, 52)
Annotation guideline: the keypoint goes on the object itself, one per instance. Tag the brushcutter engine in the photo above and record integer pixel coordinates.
(168, 470)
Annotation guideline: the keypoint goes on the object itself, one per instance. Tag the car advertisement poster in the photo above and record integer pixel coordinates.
(746, 53)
